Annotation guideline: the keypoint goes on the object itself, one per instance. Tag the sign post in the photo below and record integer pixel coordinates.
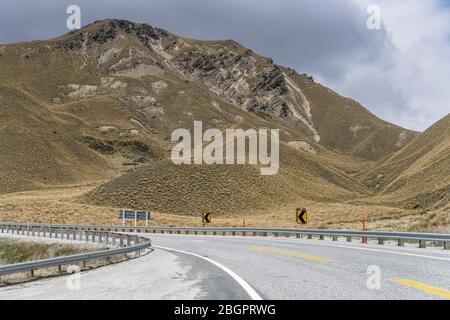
(134, 215)
(301, 216)
(206, 217)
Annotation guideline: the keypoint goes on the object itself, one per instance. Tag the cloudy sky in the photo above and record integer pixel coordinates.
(400, 72)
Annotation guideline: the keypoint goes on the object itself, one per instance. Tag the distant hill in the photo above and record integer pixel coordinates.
(418, 175)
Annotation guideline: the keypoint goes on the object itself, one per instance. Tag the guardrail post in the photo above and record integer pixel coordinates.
(100, 236)
(400, 243)
(309, 236)
(128, 241)
(447, 245)
(335, 238)
(321, 237)
(298, 235)
(381, 241)
(121, 240)
(349, 239)
(422, 244)
(287, 235)
(254, 234)
(276, 234)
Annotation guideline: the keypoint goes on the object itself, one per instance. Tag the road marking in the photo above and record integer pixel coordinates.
(424, 287)
(266, 239)
(196, 241)
(247, 288)
(289, 253)
(370, 249)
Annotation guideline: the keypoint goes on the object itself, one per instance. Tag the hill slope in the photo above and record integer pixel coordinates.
(38, 151)
(418, 175)
(102, 101)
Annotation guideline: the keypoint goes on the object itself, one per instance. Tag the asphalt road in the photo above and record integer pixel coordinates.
(217, 267)
(279, 268)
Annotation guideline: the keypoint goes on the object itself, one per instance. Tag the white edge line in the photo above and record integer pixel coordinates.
(374, 250)
(336, 245)
(250, 291)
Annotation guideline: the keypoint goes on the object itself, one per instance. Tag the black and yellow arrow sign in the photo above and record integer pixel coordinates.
(207, 217)
(302, 216)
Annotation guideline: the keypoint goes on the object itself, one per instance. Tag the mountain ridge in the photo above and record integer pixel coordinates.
(117, 89)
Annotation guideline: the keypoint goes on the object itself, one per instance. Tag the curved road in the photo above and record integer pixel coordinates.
(280, 268)
(218, 267)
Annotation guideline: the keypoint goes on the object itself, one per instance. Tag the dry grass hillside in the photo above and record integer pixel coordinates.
(225, 189)
(38, 151)
(418, 175)
(96, 107)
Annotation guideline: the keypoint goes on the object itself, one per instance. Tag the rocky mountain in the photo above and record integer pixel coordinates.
(100, 104)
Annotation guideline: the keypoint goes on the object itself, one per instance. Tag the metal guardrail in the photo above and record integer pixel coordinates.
(127, 243)
(400, 237)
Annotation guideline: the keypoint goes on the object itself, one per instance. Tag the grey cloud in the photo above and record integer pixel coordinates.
(326, 38)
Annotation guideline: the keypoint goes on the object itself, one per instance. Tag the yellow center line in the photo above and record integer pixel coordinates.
(196, 241)
(289, 253)
(424, 287)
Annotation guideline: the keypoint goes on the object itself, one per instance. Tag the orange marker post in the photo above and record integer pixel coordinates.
(363, 221)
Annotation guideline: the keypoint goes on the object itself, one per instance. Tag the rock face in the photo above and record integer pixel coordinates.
(226, 68)
(236, 75)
